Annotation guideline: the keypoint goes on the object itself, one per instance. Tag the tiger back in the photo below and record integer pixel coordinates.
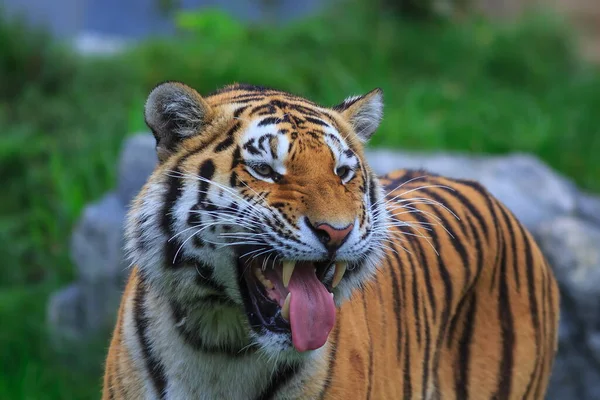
(270, 262)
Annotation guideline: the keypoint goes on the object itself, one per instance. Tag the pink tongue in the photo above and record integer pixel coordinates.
(312, 310)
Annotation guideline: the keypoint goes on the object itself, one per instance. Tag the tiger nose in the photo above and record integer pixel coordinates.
(332, 238)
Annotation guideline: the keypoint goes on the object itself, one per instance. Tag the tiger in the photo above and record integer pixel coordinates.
(269, 261)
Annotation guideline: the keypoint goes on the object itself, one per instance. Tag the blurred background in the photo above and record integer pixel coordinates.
(481, 77)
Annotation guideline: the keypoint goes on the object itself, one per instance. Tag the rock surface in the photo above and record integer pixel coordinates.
(89, 305)
(526, 185)
(565, 221)
(572, 248)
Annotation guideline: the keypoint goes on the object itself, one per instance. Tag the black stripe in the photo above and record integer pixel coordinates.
(225, 144)
(370, 376)
(407, 384)
(195, 219)
(454, 322)
(464, 351)
(263, 109)
(508, 219)
(250, 148)
(279, 379)
(397, 302)
(239, 111)
(205, 277)
(378, 287)
(153, 365)
(506, 319)
(244, 99)
(477, 241)
(206, 171)
(332, 362)
(544, 328)
(479, 263)
(316, 121)
(268, 121)
(305, 110)
(415, 293)
(426, 356)
(499, 242)
(175, 188)
(533, 306)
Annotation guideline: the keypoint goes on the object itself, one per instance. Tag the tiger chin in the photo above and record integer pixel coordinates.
(270, 262)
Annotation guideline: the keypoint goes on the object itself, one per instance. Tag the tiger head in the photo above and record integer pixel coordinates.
(263, 204)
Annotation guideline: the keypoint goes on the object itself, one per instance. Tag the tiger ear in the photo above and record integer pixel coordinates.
(363, 112)
(174, 112)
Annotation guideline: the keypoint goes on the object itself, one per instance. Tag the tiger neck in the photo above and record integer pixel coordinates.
(202, 352)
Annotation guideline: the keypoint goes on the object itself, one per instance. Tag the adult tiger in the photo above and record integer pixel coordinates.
(268, 263)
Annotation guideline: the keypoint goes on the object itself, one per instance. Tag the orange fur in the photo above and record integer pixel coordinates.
(463, 303)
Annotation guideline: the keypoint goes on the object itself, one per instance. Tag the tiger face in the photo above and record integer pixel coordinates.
(262, 213)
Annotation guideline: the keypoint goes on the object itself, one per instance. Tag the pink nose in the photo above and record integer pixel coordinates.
(331, 237)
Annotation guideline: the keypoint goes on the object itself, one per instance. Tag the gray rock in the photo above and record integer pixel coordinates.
(137, 162)
(97, 241)
(588, 207)
(526, 185)
(89, 306)
(571, 247)
(64, 315)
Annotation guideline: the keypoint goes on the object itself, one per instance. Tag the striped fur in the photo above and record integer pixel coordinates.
(446, 296)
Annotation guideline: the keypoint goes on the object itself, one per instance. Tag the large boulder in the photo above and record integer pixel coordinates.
(88, 306)
(526, 185)
(565, 221)
(571, 245)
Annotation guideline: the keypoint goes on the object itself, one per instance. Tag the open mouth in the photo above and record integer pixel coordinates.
(290, 297)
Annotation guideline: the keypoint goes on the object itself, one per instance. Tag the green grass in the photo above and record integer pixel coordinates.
(473, 86)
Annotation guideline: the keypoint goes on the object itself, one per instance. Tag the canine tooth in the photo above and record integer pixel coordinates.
(288, 268)
(340, 269)
(285, 310)
(267, 283)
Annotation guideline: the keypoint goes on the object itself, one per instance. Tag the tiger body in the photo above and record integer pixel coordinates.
(443, 294)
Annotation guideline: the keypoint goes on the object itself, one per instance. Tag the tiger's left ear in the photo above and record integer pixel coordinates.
(175, 112)
(363, 112)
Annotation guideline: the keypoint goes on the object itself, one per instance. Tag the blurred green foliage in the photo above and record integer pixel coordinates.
(471, 86)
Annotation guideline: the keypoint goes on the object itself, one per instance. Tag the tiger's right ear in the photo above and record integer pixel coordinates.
(175, 112)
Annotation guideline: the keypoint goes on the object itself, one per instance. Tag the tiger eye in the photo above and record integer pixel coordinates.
(263, 169)
(343, 172)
